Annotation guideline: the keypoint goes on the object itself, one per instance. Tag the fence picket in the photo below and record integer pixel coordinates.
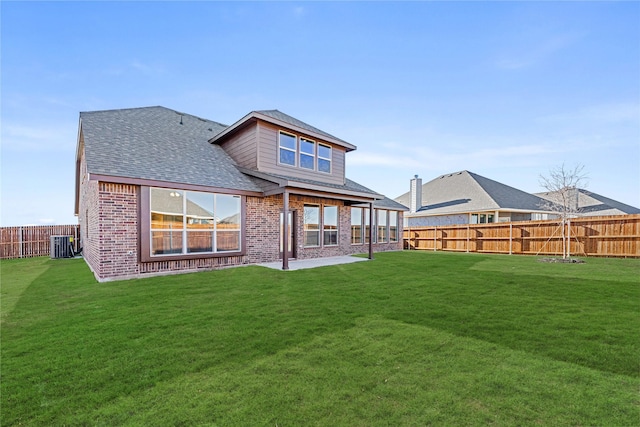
(33, 241)
(610, 236)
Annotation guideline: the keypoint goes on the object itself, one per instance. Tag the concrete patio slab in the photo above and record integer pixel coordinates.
(296, 264)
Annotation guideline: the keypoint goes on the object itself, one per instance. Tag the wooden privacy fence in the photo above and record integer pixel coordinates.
(611, 236)
(32, 241)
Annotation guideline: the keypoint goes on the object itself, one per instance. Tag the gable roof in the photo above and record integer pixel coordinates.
(160, 144)
(466, 191)
(593, 204)
(283, 120)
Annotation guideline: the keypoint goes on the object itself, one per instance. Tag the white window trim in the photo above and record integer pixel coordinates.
(396, 224)
(185, 230)
(337, 226)
(362, 239)
(294, 151)
(328, 159)
(320, 226)
(313, 155)
(386, 225)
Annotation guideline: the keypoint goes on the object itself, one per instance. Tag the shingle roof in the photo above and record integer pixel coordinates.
(279, 115)
(158, 143)
(388, 203)
(283, 120)
(466, 191)
(348, 186)
(592, 204)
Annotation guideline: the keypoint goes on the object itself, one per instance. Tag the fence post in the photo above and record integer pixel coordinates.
(510, 237)
(20, 242)
(569, 238)
(435, 239)
(468, 232)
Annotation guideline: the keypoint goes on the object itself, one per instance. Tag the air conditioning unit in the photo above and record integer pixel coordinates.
(61, 247)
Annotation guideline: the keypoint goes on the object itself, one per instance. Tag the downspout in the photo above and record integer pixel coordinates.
(285, 231)
(371, 230)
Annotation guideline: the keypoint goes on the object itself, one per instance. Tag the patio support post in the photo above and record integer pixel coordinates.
(371, 230)
(285, 231)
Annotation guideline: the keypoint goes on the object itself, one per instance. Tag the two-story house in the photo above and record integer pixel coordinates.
(159, 192)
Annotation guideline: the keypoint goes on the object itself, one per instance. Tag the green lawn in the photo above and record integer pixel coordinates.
(411, 338)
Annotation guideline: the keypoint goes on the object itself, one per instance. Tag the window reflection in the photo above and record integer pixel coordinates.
(184, 222)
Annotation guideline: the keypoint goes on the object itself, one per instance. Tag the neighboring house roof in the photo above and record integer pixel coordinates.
(170, 203)
(157, 143)
(466, 191)
(284, 120)
(592, 204)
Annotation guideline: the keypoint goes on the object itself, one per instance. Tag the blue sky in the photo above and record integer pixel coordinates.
(508, 90)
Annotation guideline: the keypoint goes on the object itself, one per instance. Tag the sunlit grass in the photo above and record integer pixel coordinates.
(407, 339)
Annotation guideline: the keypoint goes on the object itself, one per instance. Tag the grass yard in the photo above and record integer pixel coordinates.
(411, 338)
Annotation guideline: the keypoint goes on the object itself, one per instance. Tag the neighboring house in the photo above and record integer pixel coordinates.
(467, 198)
(158, 192)
(592, 204)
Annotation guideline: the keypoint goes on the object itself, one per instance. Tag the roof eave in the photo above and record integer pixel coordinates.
(467, 211)
(256, 115)
(285, 183)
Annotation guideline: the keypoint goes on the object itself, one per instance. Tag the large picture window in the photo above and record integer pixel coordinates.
(190, 222)
(311, 225)
(330, 225)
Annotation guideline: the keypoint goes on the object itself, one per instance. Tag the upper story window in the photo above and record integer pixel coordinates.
(307, 154)
(288, 149)
(303, 153)
(324, 158)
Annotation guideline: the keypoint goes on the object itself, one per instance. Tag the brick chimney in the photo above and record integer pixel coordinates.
(416, 194)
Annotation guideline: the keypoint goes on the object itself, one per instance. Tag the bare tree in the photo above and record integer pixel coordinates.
(563, 189)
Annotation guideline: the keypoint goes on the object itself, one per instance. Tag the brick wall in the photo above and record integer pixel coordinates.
(118, 229)
(88, 218)
(263, 227)
(109, 229)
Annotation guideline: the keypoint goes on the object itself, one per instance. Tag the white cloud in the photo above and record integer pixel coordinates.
(30, 137)
(299, 11)
(148, 69)
(528, 56)
(611, 113)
